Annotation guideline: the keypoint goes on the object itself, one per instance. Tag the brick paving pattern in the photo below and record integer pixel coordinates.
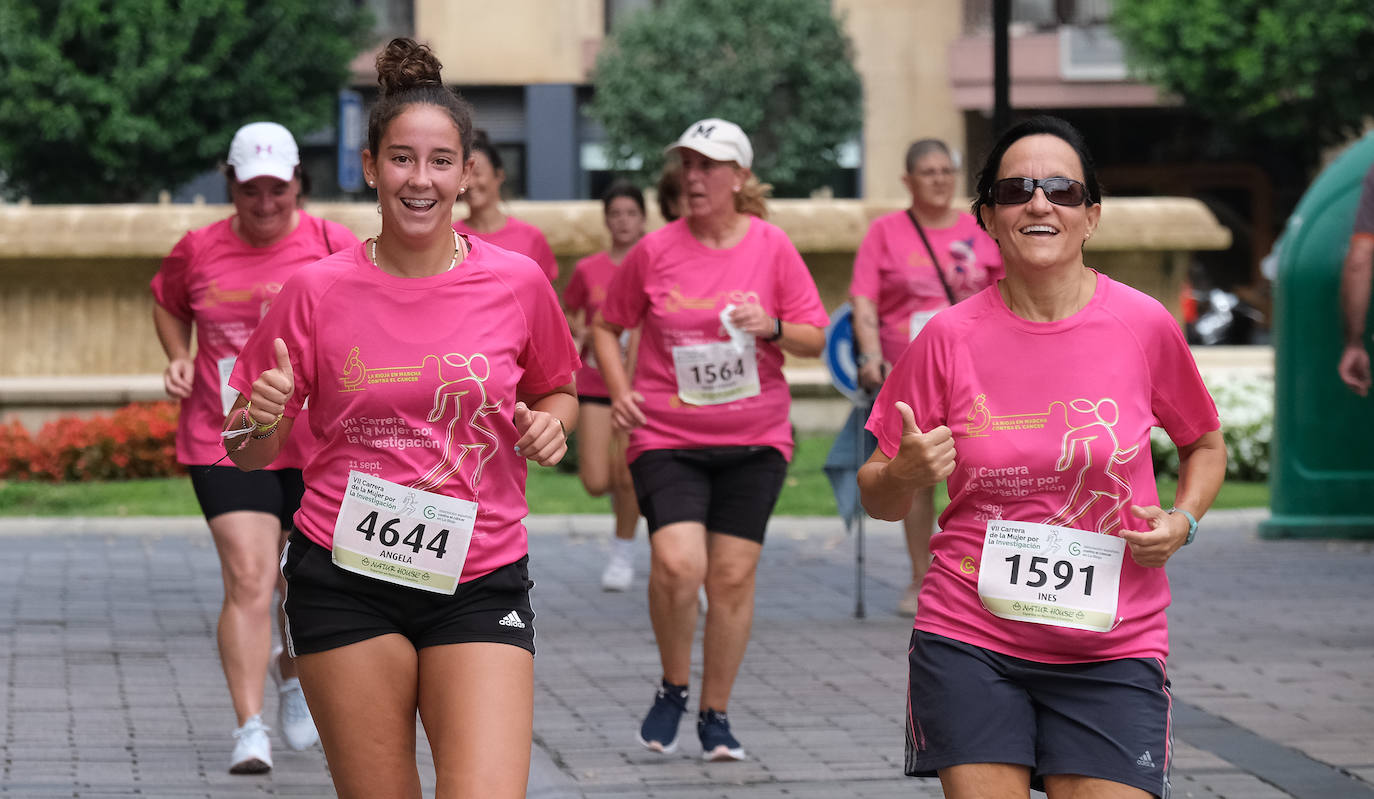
(110, 687)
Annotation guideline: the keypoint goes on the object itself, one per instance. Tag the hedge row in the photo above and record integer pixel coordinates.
(138, 440)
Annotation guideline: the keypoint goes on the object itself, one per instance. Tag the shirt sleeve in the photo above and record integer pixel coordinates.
(575, 294)
(550, 357)
(1364, 215)
(918, 380)
(542, 254)
(170, 285)
(1179, 399)
(626, 298)
(289, 319)
(799, 302)
(867, 265)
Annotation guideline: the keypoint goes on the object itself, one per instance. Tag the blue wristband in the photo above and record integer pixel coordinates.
(1192, 524)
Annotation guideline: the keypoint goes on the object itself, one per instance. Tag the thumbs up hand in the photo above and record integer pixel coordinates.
(273, 388)
(922, 458)
(542, 436)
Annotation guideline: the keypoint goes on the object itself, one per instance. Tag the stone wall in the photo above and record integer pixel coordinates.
(76, 315)
(74, 295)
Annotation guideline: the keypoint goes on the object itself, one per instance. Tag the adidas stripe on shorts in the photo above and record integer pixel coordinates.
(1108, 719)
(328, 607)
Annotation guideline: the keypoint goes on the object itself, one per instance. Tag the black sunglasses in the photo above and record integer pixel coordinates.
(1060, 191)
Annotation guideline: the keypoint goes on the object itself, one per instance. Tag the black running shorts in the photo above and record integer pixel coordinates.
(731, 490)
(1108, 719)
(222, 489)
(328, 607)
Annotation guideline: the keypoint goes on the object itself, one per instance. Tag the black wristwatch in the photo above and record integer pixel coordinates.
(777, 331)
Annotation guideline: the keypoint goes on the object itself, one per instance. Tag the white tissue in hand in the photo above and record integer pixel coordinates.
(739, 338)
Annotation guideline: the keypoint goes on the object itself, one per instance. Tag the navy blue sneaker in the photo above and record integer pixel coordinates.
(713, 728)
(658, 733)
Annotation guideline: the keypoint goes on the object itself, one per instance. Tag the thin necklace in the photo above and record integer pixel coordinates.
(459, 247)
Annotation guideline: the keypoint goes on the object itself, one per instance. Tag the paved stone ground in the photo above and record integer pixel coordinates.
(109, 684)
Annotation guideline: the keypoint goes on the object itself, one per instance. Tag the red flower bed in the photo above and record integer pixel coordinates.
(138, 440)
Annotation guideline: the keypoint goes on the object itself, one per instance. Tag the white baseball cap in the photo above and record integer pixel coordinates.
(718, 140)
(263, 148)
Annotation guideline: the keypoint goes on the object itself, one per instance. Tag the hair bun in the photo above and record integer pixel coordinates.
(407, 64)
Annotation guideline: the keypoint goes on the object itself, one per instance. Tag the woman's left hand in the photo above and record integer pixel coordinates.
(542, 438)
(1152, 548)
(751, 318)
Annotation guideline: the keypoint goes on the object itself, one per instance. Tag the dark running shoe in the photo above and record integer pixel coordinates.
(658, 733)
(717, 744)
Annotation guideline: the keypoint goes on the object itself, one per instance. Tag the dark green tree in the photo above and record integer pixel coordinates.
(112, 100)
(1291, 75)
(780, 69)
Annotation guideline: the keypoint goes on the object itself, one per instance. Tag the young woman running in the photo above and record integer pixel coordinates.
(601, 454)
(488, 222)
(434, 365)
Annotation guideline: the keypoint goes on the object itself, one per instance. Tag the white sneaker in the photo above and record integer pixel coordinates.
(293, 714)
(252, 749)
(619, 573)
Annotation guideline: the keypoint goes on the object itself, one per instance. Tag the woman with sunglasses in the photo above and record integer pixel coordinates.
(912, 264)
(1037, 658)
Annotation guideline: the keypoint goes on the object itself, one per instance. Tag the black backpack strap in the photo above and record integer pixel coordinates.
(949, 293)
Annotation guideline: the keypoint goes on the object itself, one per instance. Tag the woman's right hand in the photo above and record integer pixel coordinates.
(625, 411)
(1354, 368)
(179, 377)
(273, 388)
(922, 458)
(872, 374)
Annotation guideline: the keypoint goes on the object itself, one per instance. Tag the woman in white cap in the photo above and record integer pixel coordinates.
(220, 280)
(720, 295)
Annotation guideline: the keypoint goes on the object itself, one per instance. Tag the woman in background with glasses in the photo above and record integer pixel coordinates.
(1037, 658)
(912, 264)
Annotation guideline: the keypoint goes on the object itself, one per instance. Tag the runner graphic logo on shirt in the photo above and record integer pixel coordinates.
(459, 404)
(1087, 468)
(262, 292)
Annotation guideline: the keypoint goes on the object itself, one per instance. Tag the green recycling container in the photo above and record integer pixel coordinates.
(1321, 477)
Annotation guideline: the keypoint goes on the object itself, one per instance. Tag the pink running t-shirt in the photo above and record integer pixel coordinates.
(893, 270)
(416, 380)
(1051, 424)
(674, 288)
(585, 292)
(519, 236)
(217, 282)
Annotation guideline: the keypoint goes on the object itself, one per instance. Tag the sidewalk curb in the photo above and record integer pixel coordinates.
(590, 525)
